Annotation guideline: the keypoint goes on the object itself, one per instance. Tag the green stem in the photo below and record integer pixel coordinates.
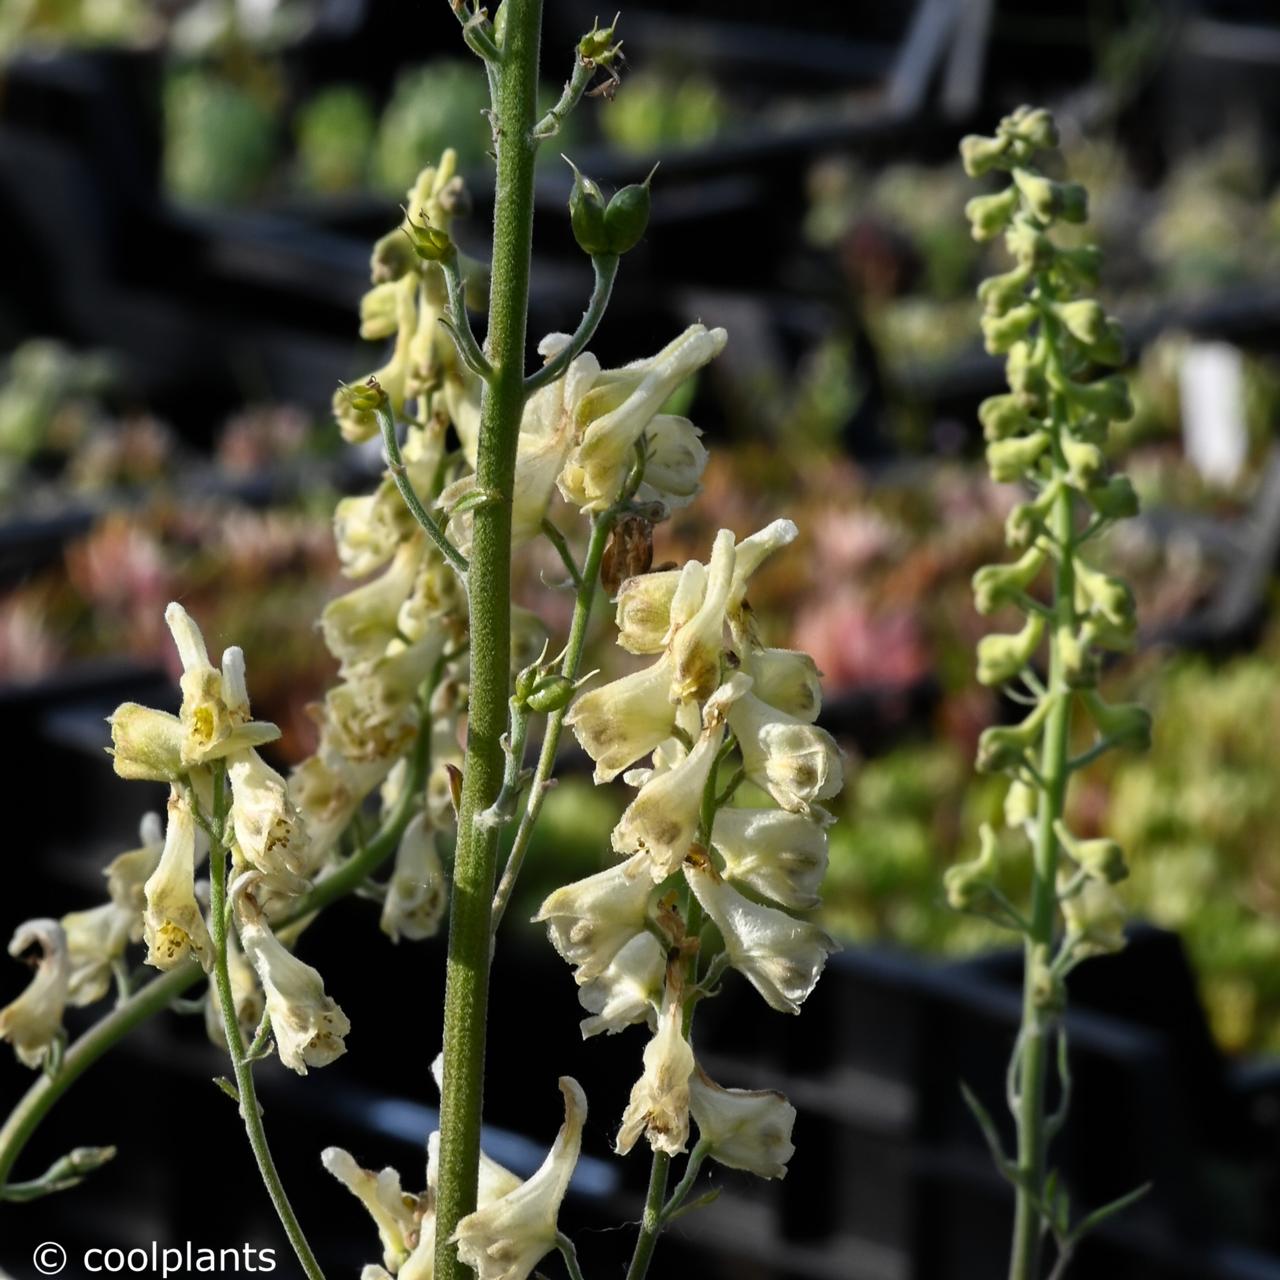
(395, 465)
(651, 1223)
(162, 991)
(574, 88)
(241, 1065)
(459, 323)
(569, 665)
(515, 80)
(686, 1184)
(1024, 1263)
(605, 266)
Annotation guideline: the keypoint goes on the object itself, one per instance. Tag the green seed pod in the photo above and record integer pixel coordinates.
(551, 693)
(586, 214)
(1010, 460)
(981, 154)
(627, 216)
(431, 244)
(1002, 417)
(989, 215)
(996, 584)
(1002, 657)
(597, 46)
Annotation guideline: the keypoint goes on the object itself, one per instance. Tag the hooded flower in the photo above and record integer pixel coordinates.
(624, 720)
(780, 956)
(34, 1020)
(215, 705)
(748, 1129)
(326, 791)
(127, 873)
(507, 1238)
(173, 922)
(309, 1026)
(663, 819)
(788, 681)
(417, 894)
(627, 990)
(269, 830)
(146, 744)
(618, 409)
(795, 762)
(659, 1105)
(643, 614)
(396, 1214)
(360, 625)
(590, 920)
(699, 643)
(780, 855)
(96, 942)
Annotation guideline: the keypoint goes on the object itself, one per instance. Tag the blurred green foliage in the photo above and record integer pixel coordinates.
(334, 135)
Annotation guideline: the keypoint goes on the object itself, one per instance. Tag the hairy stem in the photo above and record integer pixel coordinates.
(605, 266)
(1037, 1025)
(515, 80)
(651, 1223)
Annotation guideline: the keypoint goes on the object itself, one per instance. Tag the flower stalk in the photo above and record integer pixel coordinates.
(1045, 435)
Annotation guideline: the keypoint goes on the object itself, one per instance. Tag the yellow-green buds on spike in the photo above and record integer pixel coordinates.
(1115, 500)
(1002, 657)
(1121, 722)
(1084, 319)
(1099, 859)
(1085, 463)
(1002, 329)
(1108, 596)
(989, 215)
(1006, 746)
(967, 882)
(997, 584)
(1010, 460)
(1002, 417)
(981, 154)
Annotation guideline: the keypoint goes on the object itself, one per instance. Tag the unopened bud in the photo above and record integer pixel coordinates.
(989, 215)
(1002, 657)
(997, 584)
(1101, 859)
(980, 154)
(1002, 330)
(1010, 460)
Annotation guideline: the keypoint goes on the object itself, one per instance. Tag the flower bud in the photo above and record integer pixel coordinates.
(1107, 398)
(1006, 746)
(787, 680)
(1024, 369)
(981, 154)
(33, 1022)
(1002, 657)
(1123, 723)
(1111, 597)
(1095, 920)
(587, 214)
(747, 1129)
(1085, 462)
(999, 294)
(1101, 860)
(997, 584)
(967, 882)
(1020, 803)
(1028, 245)
(1115, 500)
(1035, 126)
(989, 215)
(1002, 329)
(1003, 417)
(1084, 319)
(780, 956)
(1010, 460)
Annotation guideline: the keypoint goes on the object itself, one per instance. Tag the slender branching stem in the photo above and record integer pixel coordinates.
(569, 667)
(557, 540)
(570, 1254)
(477, 34)
(459, 322)
(574, 88)
(241, 1064)
(515, 79)
(605, 266)
(686, 1184)
(395, 464)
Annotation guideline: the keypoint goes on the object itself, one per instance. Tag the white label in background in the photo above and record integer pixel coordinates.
(1211, 389)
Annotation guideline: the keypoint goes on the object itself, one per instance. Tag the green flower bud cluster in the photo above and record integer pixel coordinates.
(1047, 434)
